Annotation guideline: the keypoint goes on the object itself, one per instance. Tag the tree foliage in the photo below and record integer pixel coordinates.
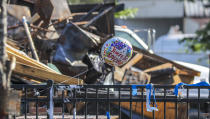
(201, 42)
(124, 14)
(127, 13)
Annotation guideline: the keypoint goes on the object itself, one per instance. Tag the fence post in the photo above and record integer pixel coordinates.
(50, 100)
(209, 83)
(209, 71)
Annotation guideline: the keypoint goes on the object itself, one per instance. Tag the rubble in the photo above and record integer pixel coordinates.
(62, 42)
(59, 38)
(69, 37)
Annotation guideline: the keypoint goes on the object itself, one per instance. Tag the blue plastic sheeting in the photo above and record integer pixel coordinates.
(203, 83)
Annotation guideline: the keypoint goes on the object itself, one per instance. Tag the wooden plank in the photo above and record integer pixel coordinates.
(176, 79)
(162, 60)
(23, 58)
(45, 75)
(179, 75)
(182, 72)
(82, 13)
(182, 78)
(134, 77)
(169, 65)
(12, 43)
(34, 81)
(133, 61)
(28, 62)
(159, 67)
(119, 72)
(81, 23)
(106, 16)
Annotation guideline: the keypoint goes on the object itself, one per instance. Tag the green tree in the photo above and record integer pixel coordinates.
(127, 13)
(201, 42)
(124, 14)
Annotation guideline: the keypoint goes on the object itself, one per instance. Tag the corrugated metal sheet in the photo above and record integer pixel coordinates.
(196, 9)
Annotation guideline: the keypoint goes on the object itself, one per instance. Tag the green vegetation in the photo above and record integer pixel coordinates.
(127, 13)
(124, 14)
(201, 42)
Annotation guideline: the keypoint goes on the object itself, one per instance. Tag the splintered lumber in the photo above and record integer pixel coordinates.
(135, 77)
(106, 16)
(12, 43)
(165, 66)
(181, 72)
(151, 60)
(133, 61)
(34, 18)
(119, 72)
(37, 73)
(159, 67)
(21, 57)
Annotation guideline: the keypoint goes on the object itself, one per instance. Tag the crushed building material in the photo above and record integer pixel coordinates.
(67, 42)
(37, 73)
(71, 36)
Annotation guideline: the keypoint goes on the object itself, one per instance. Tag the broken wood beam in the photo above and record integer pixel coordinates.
(159, 67)
(133, 61)
(89, 13)
(183, 72)
(119, 72)
(160, 60)
(164, 71)
(83, 13)
(169, 65)
(37, 73)
(23, 58)
(106, 16)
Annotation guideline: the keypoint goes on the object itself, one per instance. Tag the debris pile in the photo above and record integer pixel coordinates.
(51, 39)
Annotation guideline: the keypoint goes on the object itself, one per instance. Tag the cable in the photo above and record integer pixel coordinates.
(66, 80)
(76, 75)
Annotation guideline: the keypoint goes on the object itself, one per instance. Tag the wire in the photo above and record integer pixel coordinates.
(67, 79)
(77, 75)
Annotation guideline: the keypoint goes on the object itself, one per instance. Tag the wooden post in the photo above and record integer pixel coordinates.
(4, 88)
(3, 37)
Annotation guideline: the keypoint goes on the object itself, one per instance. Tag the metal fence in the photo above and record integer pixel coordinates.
(114, 101)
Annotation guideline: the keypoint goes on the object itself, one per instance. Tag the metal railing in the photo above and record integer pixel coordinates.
(100, 101)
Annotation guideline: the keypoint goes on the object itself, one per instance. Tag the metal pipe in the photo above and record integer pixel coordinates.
(30, 38)
(50, 103)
